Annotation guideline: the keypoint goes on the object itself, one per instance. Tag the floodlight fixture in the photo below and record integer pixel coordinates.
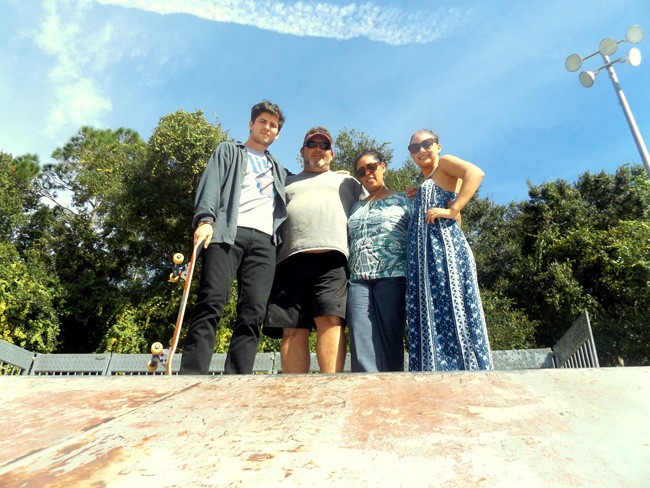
(587, 78)
(606, 48)
(573, 62)
(634, 57)
(634, 34)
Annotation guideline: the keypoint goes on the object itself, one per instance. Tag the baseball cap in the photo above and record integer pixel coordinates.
(318, 133)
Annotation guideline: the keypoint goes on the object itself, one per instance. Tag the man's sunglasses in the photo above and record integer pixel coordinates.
(361, 172)
(426, 144)
(324, 145)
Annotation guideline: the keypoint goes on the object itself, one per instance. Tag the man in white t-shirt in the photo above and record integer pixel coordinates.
(310, 285)
(239, 207)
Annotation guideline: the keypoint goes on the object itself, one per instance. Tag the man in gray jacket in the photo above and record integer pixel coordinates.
(240, 204)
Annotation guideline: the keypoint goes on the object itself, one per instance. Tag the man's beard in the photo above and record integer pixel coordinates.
(318, 164)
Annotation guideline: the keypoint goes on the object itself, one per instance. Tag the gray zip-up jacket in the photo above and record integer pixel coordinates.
(217, 197)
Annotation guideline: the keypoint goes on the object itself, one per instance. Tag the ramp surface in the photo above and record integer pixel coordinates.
(579, 428)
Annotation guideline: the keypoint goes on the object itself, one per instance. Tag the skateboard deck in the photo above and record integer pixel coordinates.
(185, 272)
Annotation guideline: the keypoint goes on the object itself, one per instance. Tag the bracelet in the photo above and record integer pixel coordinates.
(211, 224)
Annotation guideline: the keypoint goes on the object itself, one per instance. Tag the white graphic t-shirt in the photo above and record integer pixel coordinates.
(257, 199)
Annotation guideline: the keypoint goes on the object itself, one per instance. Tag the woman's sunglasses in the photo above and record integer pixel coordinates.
(426, 144)
(361, 172)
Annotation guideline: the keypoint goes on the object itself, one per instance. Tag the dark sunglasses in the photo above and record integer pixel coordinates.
(371, 167)
(426, 144)
(324, 145)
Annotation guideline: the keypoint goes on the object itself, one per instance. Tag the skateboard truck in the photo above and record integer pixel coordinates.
(179, 270)
(157, 357)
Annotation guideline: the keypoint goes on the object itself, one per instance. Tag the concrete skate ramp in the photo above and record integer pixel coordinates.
(578, 428)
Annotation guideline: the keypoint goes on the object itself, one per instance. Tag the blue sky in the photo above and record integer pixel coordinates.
(488, 76)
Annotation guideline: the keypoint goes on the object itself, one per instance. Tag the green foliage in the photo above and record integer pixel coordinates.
(126, 333)
(91, 167)
(566, 249)
(407, 176)
(611, 198)
(160, 198)
(619, 272)
(349, 144)
(271, 345)
(494, 234)
(18, 190)
(585, 247)
(227, 323)
(28, 294)
(508, 326)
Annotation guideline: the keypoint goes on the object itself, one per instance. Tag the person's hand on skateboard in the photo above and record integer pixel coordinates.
(203, 233)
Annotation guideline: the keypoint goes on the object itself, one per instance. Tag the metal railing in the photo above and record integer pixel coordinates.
(575, 349)
(17, 361)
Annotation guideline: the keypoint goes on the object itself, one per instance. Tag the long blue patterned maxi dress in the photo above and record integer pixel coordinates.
(446, 325)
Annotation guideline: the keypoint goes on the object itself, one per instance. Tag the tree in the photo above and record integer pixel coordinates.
(349, 144)
(611, 198)
(90, 250)
(618, 270)
(28, 299)
(408, 175)
(160, 197)
(509, 327)
(19, 192)
(29, 291)
(580, 252)
(91, 167)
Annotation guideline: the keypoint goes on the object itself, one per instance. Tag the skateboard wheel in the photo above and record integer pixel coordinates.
(173, 278)
(152, 366)
(156, 348)
(178, 258)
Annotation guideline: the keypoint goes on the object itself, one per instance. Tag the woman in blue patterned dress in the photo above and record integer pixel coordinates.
(377, 231)
(446, 324)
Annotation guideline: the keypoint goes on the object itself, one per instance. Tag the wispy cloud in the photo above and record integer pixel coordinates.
(78, 100)
(391, 25)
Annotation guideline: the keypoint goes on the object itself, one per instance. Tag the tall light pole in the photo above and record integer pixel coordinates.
(606, 48)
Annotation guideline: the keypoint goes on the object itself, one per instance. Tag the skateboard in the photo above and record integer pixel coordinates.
(159, 355)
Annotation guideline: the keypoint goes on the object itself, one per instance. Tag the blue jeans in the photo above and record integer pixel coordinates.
(376, 315)
(251, 259)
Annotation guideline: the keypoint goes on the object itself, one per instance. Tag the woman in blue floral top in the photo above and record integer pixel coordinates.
(377, 231)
